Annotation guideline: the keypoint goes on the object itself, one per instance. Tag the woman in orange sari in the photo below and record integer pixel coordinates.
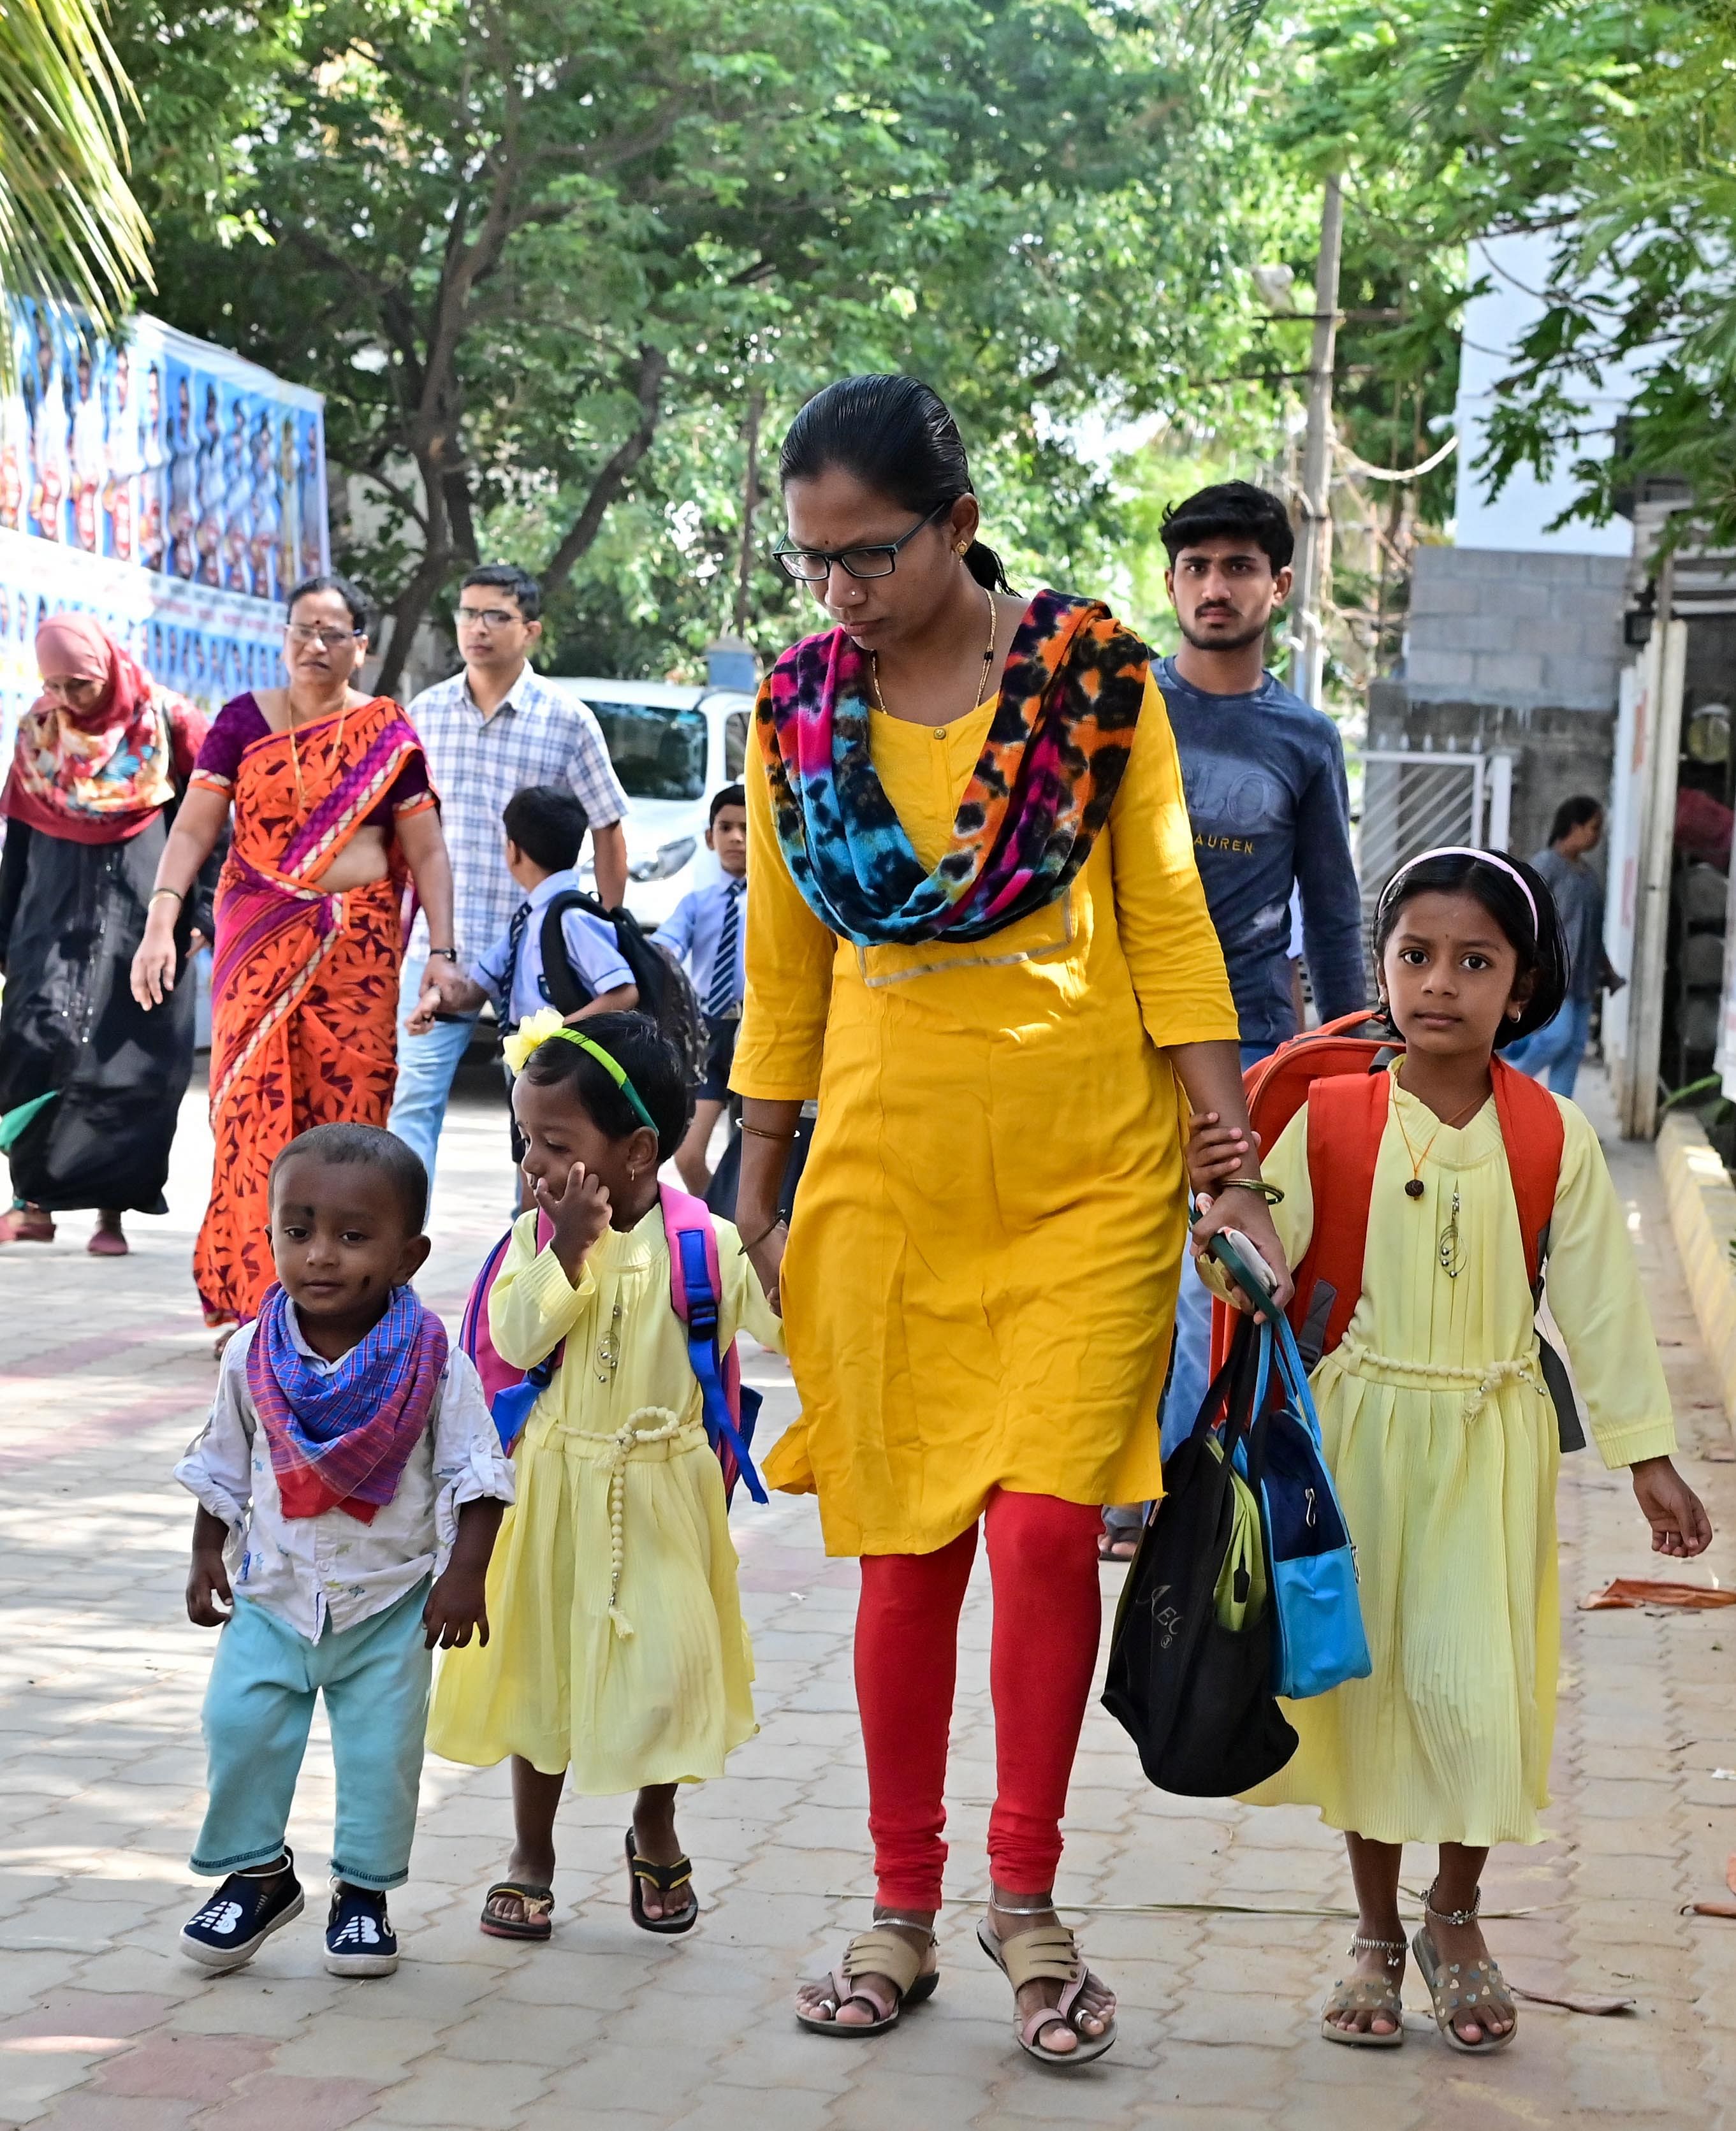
(333, 813)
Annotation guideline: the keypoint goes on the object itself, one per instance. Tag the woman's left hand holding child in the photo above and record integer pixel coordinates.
(1680, 1525)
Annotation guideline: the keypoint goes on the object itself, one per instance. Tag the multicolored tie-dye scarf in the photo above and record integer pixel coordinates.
(340, 1438)
(1041, 789)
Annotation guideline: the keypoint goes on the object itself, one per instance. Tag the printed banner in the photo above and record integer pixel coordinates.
(167, 486)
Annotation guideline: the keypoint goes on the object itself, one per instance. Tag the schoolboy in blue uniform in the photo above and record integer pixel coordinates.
(545, 830)
(707, 933)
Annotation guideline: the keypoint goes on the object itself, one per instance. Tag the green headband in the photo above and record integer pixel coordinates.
(616, 1071)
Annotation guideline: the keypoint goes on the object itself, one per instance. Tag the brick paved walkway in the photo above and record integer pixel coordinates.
(103, 2026)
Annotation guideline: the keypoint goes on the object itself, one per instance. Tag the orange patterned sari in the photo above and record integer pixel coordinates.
(303, 984)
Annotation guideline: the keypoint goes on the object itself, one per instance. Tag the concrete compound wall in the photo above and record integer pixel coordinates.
(1491, 625)
(1514, 652)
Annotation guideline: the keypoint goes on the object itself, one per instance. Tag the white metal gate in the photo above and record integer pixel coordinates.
(1415, 800)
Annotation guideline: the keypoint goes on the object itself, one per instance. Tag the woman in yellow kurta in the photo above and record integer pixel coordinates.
(618, 1653)
(1443, 1442)
(976, 932)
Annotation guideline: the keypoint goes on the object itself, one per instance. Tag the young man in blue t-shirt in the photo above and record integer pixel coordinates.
(1264, 777)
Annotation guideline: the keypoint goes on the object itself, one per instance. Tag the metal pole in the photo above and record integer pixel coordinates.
(1314, 546)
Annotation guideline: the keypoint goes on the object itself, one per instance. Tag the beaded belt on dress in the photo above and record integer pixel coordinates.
(1480, 1385)
(626, 1440)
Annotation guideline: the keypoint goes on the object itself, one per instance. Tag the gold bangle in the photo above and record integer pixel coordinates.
(759, 1132)
(1273, 1193)
(758, 1239)
(179, 893)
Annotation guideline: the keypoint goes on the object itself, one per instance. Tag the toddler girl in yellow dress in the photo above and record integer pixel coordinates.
(1443, 1442)
(618, 1653)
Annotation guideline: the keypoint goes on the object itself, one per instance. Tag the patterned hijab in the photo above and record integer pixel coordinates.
(95, 775)
(1057, 746)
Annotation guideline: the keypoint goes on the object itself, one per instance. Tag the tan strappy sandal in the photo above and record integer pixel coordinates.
(876, 1953)
(1048, 1953)
(1456, 1987)
(1368, 1993)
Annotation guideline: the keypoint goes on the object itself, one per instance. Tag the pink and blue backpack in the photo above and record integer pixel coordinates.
(696, 1285)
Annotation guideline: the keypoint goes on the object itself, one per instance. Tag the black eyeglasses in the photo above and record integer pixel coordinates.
(811, 566)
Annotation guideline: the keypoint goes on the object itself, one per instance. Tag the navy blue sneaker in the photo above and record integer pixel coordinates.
(241, 1915)
(359, 1938)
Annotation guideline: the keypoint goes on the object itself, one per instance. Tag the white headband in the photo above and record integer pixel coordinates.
(1466, 851)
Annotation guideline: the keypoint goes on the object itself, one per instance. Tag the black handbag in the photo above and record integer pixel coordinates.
(1194, 1695)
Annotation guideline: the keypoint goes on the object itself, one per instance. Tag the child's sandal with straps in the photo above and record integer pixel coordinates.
(1373, 1995)
(1468, 1988)
(880, 1954)
(1047, 1954)
(665, 1879)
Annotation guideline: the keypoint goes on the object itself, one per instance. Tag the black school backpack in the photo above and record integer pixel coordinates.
(664, 993)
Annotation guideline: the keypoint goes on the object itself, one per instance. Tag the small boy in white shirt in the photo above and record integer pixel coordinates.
(350, 1484)
(707, 931)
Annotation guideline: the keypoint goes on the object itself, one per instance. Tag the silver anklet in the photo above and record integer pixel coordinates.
(1010, 1909)
(1393, 1948)
(909, 1923)
(1458, 1919)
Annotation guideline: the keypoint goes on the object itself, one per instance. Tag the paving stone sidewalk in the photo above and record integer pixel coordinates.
(1207, 1918)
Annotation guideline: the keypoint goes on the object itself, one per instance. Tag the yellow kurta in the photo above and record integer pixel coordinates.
(556, 1683)
(1443, 1444)
(979, 1285)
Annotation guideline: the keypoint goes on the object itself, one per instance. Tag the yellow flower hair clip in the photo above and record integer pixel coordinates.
(526, 1037)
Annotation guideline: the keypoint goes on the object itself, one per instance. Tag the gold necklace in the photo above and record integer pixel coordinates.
(1415, 1188)
(301, 796)
(988, 663)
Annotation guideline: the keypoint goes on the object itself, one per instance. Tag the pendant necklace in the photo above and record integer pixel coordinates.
(608, 1348)
(988, 662)
(1448, 1250)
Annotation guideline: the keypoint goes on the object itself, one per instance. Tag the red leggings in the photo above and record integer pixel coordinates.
(1042, 1563)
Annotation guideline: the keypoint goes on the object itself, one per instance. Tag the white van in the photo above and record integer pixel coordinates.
(673, 745)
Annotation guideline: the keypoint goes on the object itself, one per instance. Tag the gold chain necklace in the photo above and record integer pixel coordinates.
(988, 662)
(301, 796)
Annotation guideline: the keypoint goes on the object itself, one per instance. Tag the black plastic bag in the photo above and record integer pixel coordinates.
(1195, 1697)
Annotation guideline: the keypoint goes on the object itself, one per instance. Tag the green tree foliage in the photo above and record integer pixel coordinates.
(1610, 126)
(563, 267)
(70, 229)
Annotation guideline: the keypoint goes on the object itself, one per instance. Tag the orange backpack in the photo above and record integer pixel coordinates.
(1342, 1076)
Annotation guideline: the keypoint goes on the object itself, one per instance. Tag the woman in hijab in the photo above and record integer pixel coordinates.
(90, 1084)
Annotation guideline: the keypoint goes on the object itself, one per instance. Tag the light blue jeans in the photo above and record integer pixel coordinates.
(1190, 1370)
(426, 1065)
(258, 1707)
(1556, 1048)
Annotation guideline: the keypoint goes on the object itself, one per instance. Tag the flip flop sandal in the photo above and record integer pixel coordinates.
(1049, 1954)
(26, 1224)
(1367, 1993)
(880, 1953)
(537, 1903)
(666, 1879)
(1460, 1987)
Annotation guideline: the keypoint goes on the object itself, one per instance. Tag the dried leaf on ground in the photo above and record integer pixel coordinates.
(1650, 1591)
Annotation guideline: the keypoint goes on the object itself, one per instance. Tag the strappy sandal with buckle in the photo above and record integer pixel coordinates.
(1049, 1953)
(1372, 1994)
(667, 1879)
(1458, 1988)
(883, 1954)
(536, 1903)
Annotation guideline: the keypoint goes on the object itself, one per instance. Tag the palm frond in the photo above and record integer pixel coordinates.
(70, 230)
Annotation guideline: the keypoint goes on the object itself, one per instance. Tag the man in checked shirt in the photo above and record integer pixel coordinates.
(487, 732)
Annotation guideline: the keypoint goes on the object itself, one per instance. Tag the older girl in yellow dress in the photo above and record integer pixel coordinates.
(618, 1655)
(1443, 1442)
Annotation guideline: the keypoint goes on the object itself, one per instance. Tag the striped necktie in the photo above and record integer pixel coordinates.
(514, 942)
(723, 993)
